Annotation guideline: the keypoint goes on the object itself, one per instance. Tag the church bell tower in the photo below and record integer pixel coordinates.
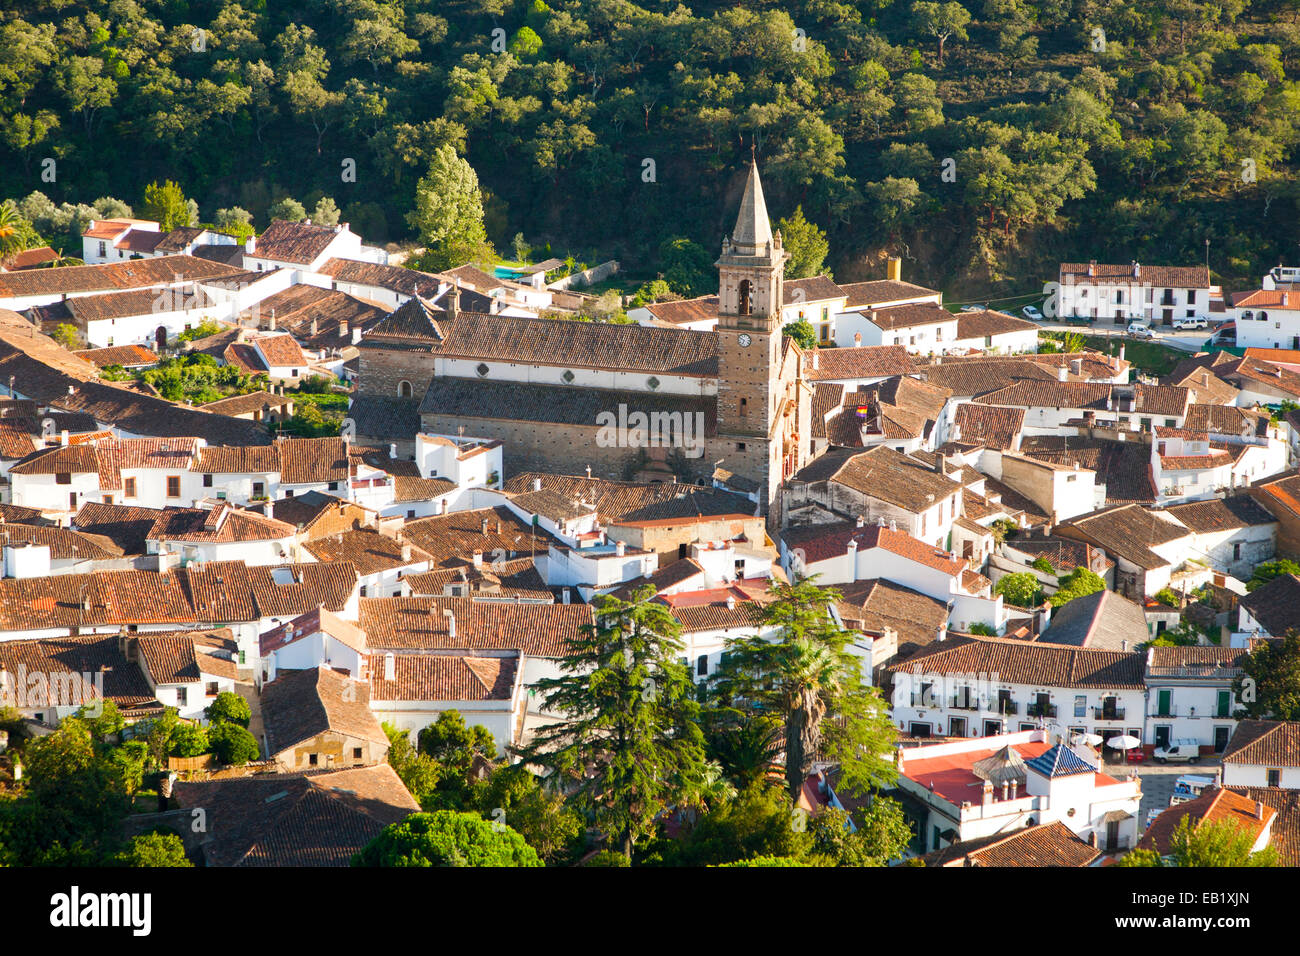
(750, 388)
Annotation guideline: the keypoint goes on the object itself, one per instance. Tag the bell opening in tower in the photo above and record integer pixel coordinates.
(745, 290)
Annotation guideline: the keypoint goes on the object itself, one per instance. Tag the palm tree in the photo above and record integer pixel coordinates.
(747, 749)
(806, 677)
(15, 231)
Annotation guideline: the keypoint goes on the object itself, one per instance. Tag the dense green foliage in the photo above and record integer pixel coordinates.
(1222, 843)
(229, 706)
(447, 838)
(1071, 126)
(232, 744)
(1269, 570)
(1077, 583)
(1270, 684)
(1021, 589)
(198, 379)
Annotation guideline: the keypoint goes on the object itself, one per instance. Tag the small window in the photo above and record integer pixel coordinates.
(211, 689)
(482, 370)
(312, 760)
(173, 486)
(403, 389)
(356, 753)
(259, 489)
(410, 512)
(1274, 777)
(1236, 552)
(288, 492)
(182, 696)
(740, 446)
(1081, 705)
(568, 377)
(652, 382)
(334, 486)
(207, 481)
(702, 664)
(63, 478)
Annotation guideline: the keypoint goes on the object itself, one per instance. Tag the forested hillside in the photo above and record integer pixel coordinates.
(983, 141)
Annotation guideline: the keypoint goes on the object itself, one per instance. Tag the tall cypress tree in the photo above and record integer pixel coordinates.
(629, 746)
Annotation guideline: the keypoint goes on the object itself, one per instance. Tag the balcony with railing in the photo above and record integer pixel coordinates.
(1108, 713)
(1040, 710)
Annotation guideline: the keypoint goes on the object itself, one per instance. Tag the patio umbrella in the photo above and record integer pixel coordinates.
(1124, 742)
(1091, 740)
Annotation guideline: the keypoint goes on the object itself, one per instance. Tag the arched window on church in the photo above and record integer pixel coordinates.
(403, 389)
(746, 290)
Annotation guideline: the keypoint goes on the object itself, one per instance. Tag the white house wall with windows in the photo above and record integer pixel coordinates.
(1263, 753)
(1133, 293)
(1268, 319)
(1190, 695)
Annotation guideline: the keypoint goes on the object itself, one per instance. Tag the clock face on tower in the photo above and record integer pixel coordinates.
(743, 339)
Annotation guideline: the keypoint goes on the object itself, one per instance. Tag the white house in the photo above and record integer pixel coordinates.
(1133, 293)
(183, 672)
(995, 332)
(222, 533)
(1263, 753)
(969, 688)
(1190, 695)
(968, 789)
(310, 640)
(1267, 318)
(304, 247)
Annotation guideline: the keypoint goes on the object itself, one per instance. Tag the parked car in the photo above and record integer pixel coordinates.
(1189, 787)
(1031, 312)
(973, 308)
(1225, 336)
(1140, 330)
(1182, 749)
(1192, 323)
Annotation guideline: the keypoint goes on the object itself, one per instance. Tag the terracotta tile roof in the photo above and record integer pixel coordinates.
(238, 459)
(221, 524)
(1172, 277)
(1209, 388)
(453, 538)
(369, 551)
(177, 239)
(882, 473)
(1212, 806)
(126, 526)
(296, 242)
(1247, 371)
(280, 350)
(131, 274)
(1194, 462)
(822, 541)
(395, 278)
(1105, 620)
(62, 542)
(1221, 514)
(1050, 394)
(312, 460)
(1123, 467)
(878, 291)
(1129, 531)
(226, 254)
(814, 289)
(892, 318)
(247, 404)
(557, 404)
(669, 576)
(1161, 399)
(16, 437)
(385, 418)
(292, 820)
(140, 240)
(1052, 844)
(977, 325)
(538, 630)
(981, 374)
(30, 258)
(439, 677)
(65, 661)
(990, 425)
(1227, 420)
(874, 604)
(1022, 662)
(716, 617)
(685, 311)
(1284, 834)
(495, 580)
(1064, 554)
(1277, 298)
(629, 502)
(335, 314)
(872, 361)
(107, 228)
(127, 356)
(1275, 605)
(100, 598)
(300, 705)
(169, 658)
(580, 344)
(137, 302)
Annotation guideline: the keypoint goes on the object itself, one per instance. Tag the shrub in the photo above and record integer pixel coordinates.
(233, 745)
(228, 707)
(1042, 564)
(189, 740)
(447, 838)
(1021, 589)
(1167, 597)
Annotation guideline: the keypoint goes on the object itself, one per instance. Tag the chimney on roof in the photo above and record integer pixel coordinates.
(390, 666)
(893, 525)
(270, 508)
(852, 552)
(1137, 269)
(537, 484)
(1076, 366)
(1062, 374)
(356, 335)
(986, 798)
(315, 326)
(1259, 810)
(564, 595)
(1015, 785)
(620, 548)
(453, 300)
(861, 521)
(1285, 298)
(477, 558)
(63, 438)
(484, 527)
(451, 625)
(392, 450)
(731, 601)
(894, 268)
(343, 330)
(814, 359)
(857, 340)
(1092, 268)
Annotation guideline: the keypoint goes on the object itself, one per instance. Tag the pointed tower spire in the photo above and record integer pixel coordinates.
(753, 229)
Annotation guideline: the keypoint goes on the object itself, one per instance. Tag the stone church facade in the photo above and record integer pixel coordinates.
(624, 401)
